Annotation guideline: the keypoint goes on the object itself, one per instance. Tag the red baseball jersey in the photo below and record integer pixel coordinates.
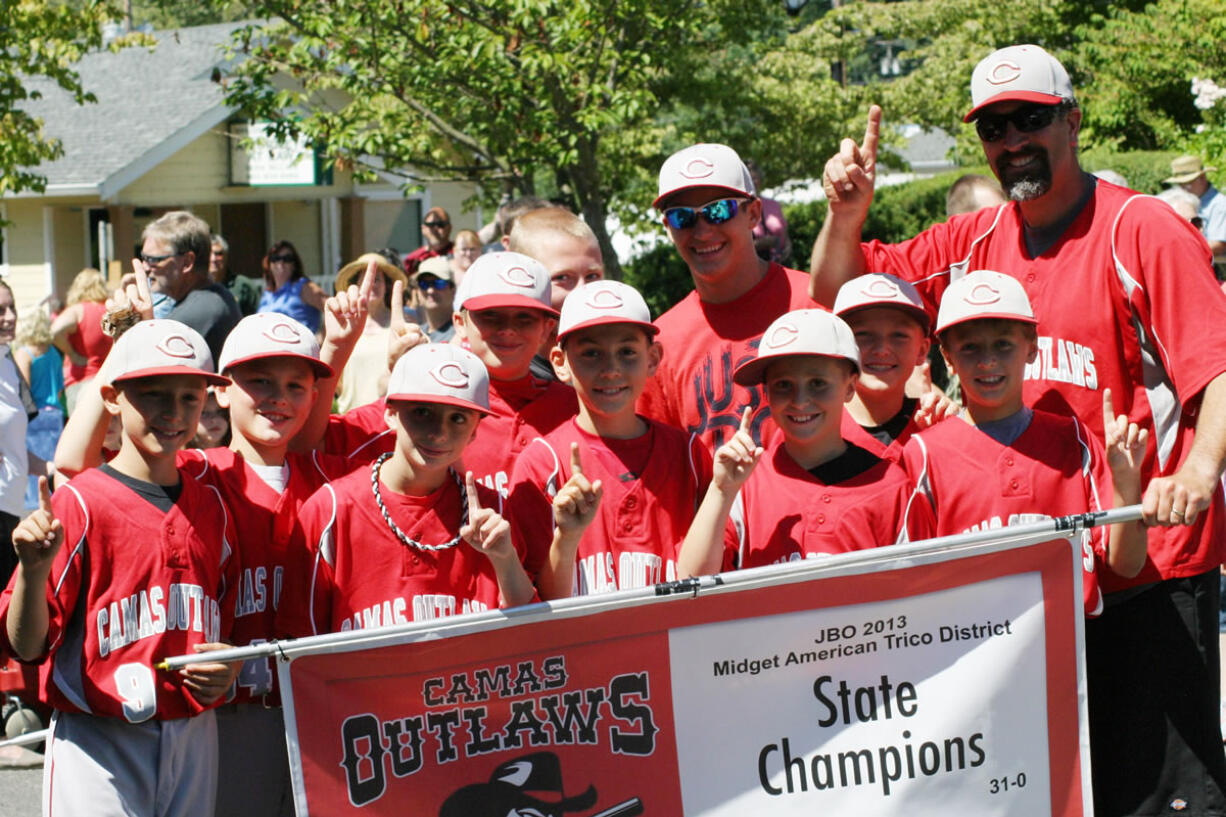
(651, 488)
(784, 513)
(129, 587)
(704, 343)
(263, 522)
(349, 571)
(1122, 304)
(360, 435)
(1055, 468)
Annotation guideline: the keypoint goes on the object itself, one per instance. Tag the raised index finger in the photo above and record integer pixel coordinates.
(746, 416)
(142, 284)
(368, 281)
(44, 495)
(397, 319)
(470, 486)
(1108, 409)
(576, 467)
(868, 148)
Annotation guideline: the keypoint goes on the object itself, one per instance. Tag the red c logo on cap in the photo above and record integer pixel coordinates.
(176, 346)
(782, 335)
(881, 288)
(282, 332)
(603, 298)
(517, 276)
(450, 374)
(1003, 72)
(982, 294)
(698, 168)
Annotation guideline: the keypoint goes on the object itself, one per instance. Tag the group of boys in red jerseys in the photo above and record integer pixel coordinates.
(714, 438)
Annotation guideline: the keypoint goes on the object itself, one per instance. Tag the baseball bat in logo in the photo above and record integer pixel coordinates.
(982, 294)
(281, 332)
(698, 168)
(176, 346)
(450, 374)
(602, 298)
(782, 335)
(517, 276)
(881, 288)
(1004, 72)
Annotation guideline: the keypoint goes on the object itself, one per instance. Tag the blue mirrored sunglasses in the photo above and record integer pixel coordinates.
(714, 212)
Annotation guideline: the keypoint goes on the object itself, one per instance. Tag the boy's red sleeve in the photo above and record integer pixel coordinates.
(535, 480)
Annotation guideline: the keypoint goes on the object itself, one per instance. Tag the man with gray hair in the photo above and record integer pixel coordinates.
(175, 255)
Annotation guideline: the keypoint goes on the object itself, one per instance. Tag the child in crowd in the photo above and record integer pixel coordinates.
(503, 315)
(887, 316)
(1005, 463)
(609, 494)
(427, 544)
(130, 563)
(213, 430)
(812, 491)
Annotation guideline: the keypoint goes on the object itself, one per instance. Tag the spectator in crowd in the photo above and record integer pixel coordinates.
(436, 291)
(16, 406)
(464, 251)
(497, 234)
(436, 233)
(42, 366)
(770, 236)
(246, 291)
(1190, 173)
(364, 378)
(1106, 271)
(77, 332)
(175, 256)
(971, 192)
(287, 290)
(1112, 176)
(1186, 204)
(707, 201)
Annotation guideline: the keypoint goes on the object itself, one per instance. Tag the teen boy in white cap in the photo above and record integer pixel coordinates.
(408, 539)
(890, 323)
(1003, 463)
(709, 207)
(1107, 273)
(126, 738)
(810, 491)
(609, 494)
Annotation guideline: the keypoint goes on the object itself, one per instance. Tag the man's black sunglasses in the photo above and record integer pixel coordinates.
(1026, 119)
(435, 223)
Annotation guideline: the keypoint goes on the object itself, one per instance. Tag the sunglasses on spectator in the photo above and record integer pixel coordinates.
(154, 260)
(435, 223)
(1197, 222)
(1026, 119)
(427, 284)
(284, 259)
(713, 212)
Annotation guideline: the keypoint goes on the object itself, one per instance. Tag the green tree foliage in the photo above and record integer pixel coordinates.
(38, 39)
(560, 97)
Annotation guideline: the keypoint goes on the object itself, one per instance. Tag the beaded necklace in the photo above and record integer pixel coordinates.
(374, 487)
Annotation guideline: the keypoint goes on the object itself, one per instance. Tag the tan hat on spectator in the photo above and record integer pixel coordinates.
(352, 272)
(1186, 168)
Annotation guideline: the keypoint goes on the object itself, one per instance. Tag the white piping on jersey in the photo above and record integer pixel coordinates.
(957, 270)
(66, 670)
(227, 551)
(1159, 390)
(922, 484)
(689, 451)
(551, 482)
(737, 514)
(325, 550)
(1103, 531)
(371, 441)
(318, 467)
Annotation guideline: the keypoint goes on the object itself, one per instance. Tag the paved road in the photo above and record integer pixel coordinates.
(20, 792)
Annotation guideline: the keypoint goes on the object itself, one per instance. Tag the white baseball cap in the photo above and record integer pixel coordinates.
(603, 302)
(160, 347)
(441, 373)
(704, 165)
(505, 279)
(984, 294)
(271, 334)
(811, 332)
(879, 289)
(1019, 73)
